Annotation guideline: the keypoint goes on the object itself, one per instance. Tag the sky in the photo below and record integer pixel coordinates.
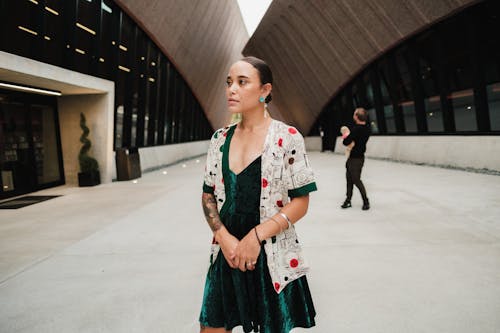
(252, 12)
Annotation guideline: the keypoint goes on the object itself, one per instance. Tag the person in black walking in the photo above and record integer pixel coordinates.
(359, 135)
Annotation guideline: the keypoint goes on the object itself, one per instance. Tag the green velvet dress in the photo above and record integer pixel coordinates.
(232, 297)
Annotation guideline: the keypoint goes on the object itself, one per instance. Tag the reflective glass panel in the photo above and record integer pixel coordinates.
(494, 105)
(372, 118)
(43, 128)
(433, 114)
(464, 110)
(409, 116)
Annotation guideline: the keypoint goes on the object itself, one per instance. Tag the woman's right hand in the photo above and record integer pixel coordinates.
(228, 244)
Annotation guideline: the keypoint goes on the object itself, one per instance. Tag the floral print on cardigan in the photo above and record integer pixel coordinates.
(285, 173)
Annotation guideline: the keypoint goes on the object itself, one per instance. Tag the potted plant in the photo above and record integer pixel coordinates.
(89, 168)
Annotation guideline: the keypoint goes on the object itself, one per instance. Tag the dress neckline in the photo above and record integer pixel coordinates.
(245, 168)
(227, 144)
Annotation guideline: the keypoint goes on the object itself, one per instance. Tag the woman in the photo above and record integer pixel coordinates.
(257, 273)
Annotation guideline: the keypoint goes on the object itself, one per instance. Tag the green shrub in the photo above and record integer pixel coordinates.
(87, 163)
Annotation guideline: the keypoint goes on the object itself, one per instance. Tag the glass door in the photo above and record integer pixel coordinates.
(17, 163)
(30, 153)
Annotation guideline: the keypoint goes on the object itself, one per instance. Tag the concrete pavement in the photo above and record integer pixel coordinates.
(131, 257)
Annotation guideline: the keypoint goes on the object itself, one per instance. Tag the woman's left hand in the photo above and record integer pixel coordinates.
(247, 252)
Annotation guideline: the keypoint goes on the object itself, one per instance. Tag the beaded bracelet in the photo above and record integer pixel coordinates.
(257, 235)
(286, 218)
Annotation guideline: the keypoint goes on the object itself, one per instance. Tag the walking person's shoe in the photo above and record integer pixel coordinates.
(366, 205)
(346, 204)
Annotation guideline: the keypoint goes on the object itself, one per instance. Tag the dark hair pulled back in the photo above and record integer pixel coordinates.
(265, 74)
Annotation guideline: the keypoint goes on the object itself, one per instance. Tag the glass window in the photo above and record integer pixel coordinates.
(390, 121)
(120, 111)
(151, 137)
(408, 108)
(427, 72)
(15, 160)
(370, 104)
(21, 28)
(169, 104)
(119, 102)
(108, 49)
(493, 91)
(85, 36)
(434, 114)
(29, 143)
(54, 32)
(45, 144)
(346, 119)
(464, 110)
(133, 125)
(487, 20)
(372, 118)
(404, 91)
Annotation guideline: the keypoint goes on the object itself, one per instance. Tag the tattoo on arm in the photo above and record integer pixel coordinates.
(211, 213)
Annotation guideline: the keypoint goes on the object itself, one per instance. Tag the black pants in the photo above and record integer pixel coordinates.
(353, 176)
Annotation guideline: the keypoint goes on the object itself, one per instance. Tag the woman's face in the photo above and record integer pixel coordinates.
(244, 88)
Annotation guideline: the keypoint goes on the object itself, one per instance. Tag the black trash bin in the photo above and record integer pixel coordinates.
(128, 163)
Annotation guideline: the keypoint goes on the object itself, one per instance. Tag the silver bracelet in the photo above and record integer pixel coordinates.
(279, 224)
(286, 218)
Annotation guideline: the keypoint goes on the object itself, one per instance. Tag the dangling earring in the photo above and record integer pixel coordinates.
(262, 100)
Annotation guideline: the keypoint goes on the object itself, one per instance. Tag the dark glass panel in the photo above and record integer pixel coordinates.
(154, 81)
(427, 68)
(433, 114)
(370, 103)
(21, 28)
(53, 38)
(405, 93)
(108, 50)
(45, 144)
(493, 91)
(464, 110)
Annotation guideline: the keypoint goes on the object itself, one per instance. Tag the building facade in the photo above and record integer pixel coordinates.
(427, 72)
(443, 81)
(104, 59)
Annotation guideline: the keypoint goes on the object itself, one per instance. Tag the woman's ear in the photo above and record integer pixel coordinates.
(266, 89)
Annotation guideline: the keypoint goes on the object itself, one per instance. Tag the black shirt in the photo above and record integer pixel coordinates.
(359, 134)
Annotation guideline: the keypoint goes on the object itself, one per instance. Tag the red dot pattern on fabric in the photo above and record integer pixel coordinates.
(222, 180)
(279, 203)
(264, 182)
(280, 142)
(294, 263)
(277, 286)
(225, 134)
(292, 130)
(214, 187)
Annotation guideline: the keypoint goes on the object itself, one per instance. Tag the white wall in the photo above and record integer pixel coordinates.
(313, 143)
(99, 118)
(477, 152)
(159, 156)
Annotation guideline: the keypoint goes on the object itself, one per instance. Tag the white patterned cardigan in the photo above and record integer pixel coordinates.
(285, 173)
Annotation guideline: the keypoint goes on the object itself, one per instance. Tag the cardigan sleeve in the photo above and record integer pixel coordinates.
(210, 166)
(298, 171)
